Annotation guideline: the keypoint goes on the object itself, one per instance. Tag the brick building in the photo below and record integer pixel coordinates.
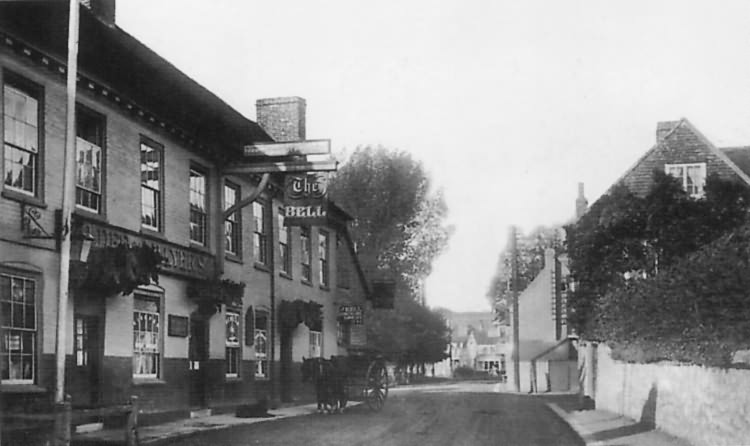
(151, 152)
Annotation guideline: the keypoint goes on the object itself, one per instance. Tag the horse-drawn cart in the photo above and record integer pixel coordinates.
(360, 376)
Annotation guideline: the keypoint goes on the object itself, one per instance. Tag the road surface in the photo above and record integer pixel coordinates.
(450, 415)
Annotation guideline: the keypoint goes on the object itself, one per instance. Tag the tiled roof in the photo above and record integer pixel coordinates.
(110, 56)
(739, 156)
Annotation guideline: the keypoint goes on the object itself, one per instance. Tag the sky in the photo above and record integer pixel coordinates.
(509, 104)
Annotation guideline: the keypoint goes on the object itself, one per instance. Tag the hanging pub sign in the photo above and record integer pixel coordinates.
(306, 199)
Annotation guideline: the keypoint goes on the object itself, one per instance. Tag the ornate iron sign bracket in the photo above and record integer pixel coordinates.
(32, 225)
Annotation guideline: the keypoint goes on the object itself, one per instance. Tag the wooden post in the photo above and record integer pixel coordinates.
(63, 418)
(131, 426)
(514, 285)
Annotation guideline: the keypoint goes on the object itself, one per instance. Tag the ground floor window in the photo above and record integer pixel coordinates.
(232, 322)
(261, 344)
(146, 336)
(18, 302)
(316, 344)
(344, 332)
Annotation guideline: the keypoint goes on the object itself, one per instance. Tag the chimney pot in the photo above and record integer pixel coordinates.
(582, 203)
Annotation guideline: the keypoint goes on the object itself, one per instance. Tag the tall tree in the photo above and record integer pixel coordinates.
(399, 230)
(530, 254)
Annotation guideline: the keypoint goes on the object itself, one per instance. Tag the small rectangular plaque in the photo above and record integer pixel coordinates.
(178, 326)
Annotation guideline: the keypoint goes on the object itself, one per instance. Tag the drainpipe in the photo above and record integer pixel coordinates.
(272, 296)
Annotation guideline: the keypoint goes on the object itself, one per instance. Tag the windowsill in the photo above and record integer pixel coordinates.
(153, 233)
(325, 288)
(148, 381)
(262, 267)
(285, 275)
(234, 258)
(23, 198)
(22, 388)
(199, 247)
(91, 215)
(306, 282)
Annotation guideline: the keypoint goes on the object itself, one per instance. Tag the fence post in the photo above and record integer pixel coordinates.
(63, 418)
(131, 427)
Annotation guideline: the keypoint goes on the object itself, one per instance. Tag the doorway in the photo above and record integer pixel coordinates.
(85, 379)
(197, 356)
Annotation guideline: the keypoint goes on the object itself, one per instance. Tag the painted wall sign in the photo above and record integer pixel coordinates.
(306, 199)
(352, 313)
(180, 260)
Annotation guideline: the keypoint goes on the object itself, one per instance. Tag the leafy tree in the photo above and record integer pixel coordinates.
(530, 252)
(399, 230)
(624, 237)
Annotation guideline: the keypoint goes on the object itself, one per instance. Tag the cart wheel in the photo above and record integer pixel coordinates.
(376, 385)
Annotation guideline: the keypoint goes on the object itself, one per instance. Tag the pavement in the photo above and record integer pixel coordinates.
(595, 427)
(603, 428)
(169, 432)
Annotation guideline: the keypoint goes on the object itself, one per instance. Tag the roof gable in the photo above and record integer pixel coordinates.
(680, 143)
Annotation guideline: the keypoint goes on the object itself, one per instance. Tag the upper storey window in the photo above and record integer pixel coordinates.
(151, 176)
(89, 160)
(198, 213)
(692, 177)
(21, 138)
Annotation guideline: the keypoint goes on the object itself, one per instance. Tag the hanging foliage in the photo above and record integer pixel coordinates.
(211, 294)
(119, 269)
(298, 311)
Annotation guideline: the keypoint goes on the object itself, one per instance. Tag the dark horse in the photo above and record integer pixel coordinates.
(329, 377)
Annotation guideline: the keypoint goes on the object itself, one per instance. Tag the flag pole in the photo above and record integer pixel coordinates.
(68, 199)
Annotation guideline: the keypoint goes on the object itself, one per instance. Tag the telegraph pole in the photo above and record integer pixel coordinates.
(514, 288)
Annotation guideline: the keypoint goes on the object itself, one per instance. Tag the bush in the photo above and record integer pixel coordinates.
(695, 311)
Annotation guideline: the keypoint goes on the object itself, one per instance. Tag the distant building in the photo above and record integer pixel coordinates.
(477, 342)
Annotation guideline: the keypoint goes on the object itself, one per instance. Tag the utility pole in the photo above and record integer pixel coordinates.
(514, 287)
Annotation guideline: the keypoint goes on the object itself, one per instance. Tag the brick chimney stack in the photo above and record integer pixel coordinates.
(282, 118)
(582, 203)
(663, 128)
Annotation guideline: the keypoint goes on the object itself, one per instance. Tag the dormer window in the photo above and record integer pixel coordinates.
(692, 177)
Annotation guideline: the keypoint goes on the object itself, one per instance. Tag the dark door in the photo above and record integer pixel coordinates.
(198, 354)
(85, 380)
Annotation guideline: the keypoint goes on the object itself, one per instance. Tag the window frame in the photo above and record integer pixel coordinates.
(305, 238)
(233, 362)
(36, 92)
(233, 235)
(684, 178)
(324, 255)
(101, 122)
(159, 354)
(316, 341)
(285, 247)
(202, 226)
(36, 279)
(260, 331)
(260, 232)
(157, 193)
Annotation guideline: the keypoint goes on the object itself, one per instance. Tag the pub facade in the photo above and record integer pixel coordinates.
(170, 299)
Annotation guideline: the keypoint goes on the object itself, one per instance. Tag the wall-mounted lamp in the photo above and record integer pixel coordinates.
(80, 243)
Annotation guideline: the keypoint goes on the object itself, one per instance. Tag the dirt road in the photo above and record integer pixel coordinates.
(446, 415)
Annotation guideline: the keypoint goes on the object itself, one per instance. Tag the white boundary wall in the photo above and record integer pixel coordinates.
(706, 406)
